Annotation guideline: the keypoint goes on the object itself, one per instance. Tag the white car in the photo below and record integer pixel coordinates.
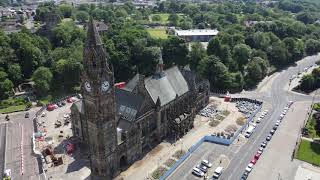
(217, 173)
(249, 167)
(258, 120)
(206, 163)
(197, 172)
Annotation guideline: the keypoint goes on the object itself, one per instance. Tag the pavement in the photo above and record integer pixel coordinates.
(2, 147)
(275, 93)
(276, 160)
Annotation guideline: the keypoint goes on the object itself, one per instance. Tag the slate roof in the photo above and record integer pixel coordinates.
(132, 83)
(167, 87)
(128, 104)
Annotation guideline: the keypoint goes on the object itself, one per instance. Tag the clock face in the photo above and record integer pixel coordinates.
(87, 86)
(105, 86)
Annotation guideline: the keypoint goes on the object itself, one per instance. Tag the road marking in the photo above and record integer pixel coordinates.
(254, 142)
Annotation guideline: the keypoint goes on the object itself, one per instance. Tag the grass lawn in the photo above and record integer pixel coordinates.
(13, 109)
(309, 152)
(157, 33)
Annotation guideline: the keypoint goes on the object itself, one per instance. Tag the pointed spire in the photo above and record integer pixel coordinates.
(159, 70)
(93, 37)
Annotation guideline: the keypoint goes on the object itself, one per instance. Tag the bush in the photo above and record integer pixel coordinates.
(40, 103)
(316, 106)
(240, 121)
(28, 104)
(214, 123)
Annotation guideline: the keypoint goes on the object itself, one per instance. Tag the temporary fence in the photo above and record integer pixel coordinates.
(213, 139)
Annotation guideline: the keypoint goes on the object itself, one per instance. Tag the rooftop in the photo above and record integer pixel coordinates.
(197, 32)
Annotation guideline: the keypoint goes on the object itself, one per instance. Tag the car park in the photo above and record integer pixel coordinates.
(197, 172)
(249, 167)
(206, 163)
(217, 173)
(202, 167)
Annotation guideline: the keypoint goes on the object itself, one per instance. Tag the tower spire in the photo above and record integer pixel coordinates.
(93, 37)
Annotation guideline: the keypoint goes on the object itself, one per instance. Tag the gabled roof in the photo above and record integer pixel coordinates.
(169, 86)
(132, 83)
(127, 104)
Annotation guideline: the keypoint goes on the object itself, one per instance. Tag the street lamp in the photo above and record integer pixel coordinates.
(181, 143)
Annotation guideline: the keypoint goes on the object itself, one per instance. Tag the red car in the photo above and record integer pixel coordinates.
(253, 161)
(257, 156)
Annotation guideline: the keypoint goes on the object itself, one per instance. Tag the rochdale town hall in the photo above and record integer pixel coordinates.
(120, 125)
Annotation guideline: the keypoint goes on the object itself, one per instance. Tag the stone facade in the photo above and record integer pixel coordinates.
(121, 125)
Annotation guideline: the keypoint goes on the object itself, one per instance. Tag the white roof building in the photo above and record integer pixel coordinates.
(202, 35)
(197, 32)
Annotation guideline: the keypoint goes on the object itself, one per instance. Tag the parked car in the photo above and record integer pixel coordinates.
(264, 144)
(202, 167)
(275, 127)
(43, 114)
(63, 103)
(244, 175)
(260, 151)
(258, 120)
(272, 131)
(257, 156)
(197, 172)
(249, 167)
(268, 138)
(217, 173)
(27, 115)
(253, 161)
(206, 163)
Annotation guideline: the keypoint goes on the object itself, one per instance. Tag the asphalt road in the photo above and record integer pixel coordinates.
(277, 97)
(20, 128)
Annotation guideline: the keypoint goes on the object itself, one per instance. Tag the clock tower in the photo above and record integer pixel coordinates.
(100, 127)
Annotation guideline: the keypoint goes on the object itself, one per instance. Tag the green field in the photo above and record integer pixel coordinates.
(309, 152)
(13, 109)
(157, 33)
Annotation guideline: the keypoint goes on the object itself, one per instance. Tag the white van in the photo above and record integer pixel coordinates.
(217, 173)
(249, 131)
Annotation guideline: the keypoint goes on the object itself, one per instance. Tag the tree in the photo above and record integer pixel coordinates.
(312, 46)
(156, 17)
(256, 70)
(14, 71)
(278, 54)
(241, 54)
(5, 86)
(173, 19)
(216, 72)
(306, 17)
(307, 83)
(66, 10)
(214, 46)
(42, 78)
(175, 51)
(82, 16)
(196, 54)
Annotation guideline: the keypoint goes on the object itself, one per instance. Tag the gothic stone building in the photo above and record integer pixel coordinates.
(121, 125)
